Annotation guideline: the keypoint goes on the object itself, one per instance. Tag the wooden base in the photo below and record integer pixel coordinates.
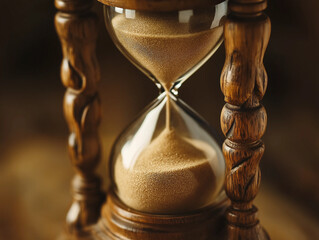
(118, 222)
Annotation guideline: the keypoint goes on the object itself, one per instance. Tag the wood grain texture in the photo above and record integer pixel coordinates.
(243, 118)
(76, 26)
(120, 222)
(160, 5)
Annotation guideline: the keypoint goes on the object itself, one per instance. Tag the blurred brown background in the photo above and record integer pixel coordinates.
(34, 168)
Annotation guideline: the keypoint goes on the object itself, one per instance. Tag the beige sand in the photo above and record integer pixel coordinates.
(164, 48)
(170, 176)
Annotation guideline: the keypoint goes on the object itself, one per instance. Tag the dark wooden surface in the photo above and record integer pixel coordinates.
(243, 118)
(160, 5)
(77, 28)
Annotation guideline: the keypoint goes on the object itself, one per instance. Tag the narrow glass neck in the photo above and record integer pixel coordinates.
(172, 90)
(174, 87)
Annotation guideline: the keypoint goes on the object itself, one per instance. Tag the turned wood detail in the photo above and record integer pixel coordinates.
(76, 26)
(243, 118)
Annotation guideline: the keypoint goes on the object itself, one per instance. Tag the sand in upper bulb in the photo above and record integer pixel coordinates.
(163, 47)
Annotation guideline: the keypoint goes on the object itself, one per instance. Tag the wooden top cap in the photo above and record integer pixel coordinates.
(160, 5)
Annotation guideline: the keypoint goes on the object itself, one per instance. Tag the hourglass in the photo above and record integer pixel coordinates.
(167, 168)
(167, 160)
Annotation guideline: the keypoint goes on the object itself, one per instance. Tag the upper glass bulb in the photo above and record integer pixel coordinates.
(167, 46)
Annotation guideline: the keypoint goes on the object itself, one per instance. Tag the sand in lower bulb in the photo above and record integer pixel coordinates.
(171, 175)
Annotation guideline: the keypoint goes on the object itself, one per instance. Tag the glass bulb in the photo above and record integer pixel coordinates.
(167, 46)
(157, 169)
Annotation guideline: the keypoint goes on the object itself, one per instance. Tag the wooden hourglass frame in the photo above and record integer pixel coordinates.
(243, 122)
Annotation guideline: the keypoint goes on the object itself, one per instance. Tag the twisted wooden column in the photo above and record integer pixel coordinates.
(243, 118)
(77, 28)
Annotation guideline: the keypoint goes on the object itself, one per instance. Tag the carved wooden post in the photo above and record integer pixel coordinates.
(243, 118)
(77, 29)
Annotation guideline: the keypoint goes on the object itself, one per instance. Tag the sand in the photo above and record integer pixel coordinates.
(170, 176)
(165, 49)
